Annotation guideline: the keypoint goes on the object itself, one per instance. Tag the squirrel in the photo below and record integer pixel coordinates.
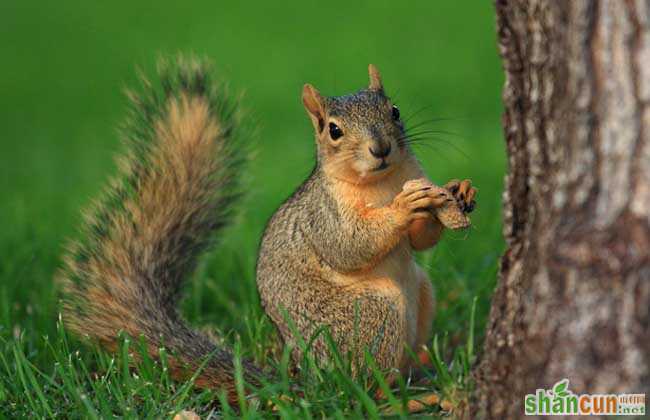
(337, 253)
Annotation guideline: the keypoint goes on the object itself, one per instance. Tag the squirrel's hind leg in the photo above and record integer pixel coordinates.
(369, 315)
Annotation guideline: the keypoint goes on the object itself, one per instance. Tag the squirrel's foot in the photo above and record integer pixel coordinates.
(464, 194)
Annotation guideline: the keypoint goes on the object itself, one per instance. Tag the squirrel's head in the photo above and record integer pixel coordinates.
(360, 137)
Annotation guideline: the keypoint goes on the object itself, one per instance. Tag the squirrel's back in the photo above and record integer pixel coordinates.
(178, 183)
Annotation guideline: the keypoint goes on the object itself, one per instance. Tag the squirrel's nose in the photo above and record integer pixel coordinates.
(380, 151)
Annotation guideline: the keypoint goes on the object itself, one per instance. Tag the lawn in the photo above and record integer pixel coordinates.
(63, 70)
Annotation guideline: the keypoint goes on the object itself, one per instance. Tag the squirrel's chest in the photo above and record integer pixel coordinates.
(379, 197)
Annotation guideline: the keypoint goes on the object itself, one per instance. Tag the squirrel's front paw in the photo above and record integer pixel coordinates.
(439, 196)
(417, 198)
(464, 194)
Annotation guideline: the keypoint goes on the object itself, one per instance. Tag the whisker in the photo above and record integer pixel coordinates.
(421, 140)
(410, 132)
(423, 126)
(427, 121)
(428, 146)
(434, 120)
(410, 117)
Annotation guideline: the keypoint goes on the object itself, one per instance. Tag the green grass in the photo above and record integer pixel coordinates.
(63, 68)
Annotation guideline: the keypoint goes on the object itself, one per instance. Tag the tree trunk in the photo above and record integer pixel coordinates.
(573, 299)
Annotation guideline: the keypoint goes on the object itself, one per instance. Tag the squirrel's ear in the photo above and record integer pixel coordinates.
(375, 78)
(313, 102)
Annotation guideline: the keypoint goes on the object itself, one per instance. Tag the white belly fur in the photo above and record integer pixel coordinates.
(401, 269)
(397, 278)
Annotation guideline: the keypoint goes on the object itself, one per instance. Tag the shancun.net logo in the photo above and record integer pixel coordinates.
(560, 400)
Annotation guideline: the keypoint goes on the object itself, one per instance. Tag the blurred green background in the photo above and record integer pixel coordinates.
(64, 67)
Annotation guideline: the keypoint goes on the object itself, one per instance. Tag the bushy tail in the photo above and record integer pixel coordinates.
(177, 187)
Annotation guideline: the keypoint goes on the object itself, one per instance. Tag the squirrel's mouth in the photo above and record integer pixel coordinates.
(381, 166)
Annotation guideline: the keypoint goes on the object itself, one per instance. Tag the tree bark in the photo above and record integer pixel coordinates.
(573, 298)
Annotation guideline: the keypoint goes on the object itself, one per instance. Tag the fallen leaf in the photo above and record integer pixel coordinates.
(187, 415)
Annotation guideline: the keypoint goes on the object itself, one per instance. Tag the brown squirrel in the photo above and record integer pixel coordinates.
(338, 252)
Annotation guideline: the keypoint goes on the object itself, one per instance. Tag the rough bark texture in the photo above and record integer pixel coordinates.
(573, 299)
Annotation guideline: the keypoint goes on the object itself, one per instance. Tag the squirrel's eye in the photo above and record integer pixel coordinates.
(335, 131)
(395, 113)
